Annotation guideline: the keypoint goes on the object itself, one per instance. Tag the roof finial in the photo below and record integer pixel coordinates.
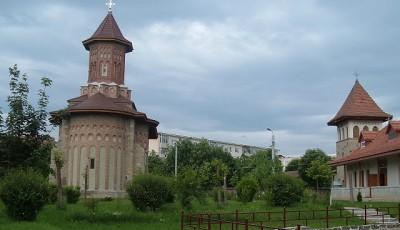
(356, 74)
(110, 4)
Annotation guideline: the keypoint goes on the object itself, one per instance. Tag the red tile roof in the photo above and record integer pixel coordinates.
(359, 105)
(368, 136)
(100, 103)
(109, 31)
(379, 147)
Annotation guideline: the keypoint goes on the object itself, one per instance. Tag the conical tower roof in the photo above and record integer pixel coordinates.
(359, 106)
(109, 31)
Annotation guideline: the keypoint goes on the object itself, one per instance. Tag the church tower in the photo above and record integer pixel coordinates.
(102, 134)
(358, 113)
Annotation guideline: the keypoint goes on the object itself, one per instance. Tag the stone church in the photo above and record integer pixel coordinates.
(102, 134)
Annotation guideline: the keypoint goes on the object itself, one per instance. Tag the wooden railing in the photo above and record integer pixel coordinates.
(284, 218)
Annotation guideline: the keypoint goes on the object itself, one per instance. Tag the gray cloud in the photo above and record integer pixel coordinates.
(224, 70)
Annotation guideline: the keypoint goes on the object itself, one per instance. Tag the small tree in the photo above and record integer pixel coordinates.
(246, 189)
(188, 188)
(220, 172)
(285, 190)
(25, 140)
(24, 192)
(59, 162)
(319, 171)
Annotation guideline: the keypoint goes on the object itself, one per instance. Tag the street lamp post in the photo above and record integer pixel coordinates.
(176, 159)
(272, 148)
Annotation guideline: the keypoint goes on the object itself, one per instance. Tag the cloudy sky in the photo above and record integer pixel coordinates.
(222, 69)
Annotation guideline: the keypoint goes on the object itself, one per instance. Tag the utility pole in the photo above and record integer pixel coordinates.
(176, 159)
(272, 149)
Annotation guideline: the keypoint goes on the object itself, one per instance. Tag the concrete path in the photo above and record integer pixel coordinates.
(373, 216)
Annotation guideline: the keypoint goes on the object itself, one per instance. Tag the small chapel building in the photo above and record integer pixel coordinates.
(103, 136)
(368, 154)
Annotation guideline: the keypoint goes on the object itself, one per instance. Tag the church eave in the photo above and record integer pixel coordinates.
(335, 121)
(129, 46)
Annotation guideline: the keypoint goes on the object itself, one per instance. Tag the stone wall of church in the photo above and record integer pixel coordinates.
(105, 147)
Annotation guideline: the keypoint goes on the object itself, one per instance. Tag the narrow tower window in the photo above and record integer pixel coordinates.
(104, 70)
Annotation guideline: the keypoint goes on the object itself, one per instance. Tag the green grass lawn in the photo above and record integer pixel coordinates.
(120, 214)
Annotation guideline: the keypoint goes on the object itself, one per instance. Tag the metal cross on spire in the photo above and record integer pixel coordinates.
(356, 74)
(110, 5)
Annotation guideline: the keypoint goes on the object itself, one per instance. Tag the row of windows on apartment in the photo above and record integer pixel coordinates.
(344, 131)
(237, 150)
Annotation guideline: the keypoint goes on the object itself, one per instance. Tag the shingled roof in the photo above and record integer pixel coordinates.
(359, 105)
(381, 146)
(109, 31)
(100, 103)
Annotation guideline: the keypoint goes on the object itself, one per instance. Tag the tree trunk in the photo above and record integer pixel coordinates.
(60, 198)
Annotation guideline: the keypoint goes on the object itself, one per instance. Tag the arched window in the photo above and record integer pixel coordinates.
(375, 129)
(104, 69)
(356, 132)
(365, 128)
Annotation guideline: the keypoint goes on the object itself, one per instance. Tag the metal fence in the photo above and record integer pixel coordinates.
(282, 219)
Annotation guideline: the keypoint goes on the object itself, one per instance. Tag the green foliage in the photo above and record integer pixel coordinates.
(311, 196)
(246, 189)
(293, 165)
(214, 194)
(148, 191)
(305, 163)
(259, 165)
(156, 164)
(285, 190)
(91, 205)
(188, 188)
(320, 172)
(24, 139)
(24, 192)
(359, 197)
(72, 194)
(52, 193)
(198, 156)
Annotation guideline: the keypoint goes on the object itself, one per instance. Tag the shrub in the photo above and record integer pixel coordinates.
(24, 193)
(108, 198)
(72, 194)
(148, 191)
(215, 192)
(359, 197)
(188, 188)
(52, 193)
(246, 189)
(285, 190)
(91, 205)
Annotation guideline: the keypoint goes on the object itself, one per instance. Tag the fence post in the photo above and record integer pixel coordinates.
(365, 214)
(237, 219)
(246, 226)
(209, 222)
(327, 217)
(284, 217)
(182, 216)
(298, 227)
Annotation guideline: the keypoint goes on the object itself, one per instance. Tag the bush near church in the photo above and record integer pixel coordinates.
(24, 192)
(285, 190)
(72, 194)
(149, 191)
(246, 189)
